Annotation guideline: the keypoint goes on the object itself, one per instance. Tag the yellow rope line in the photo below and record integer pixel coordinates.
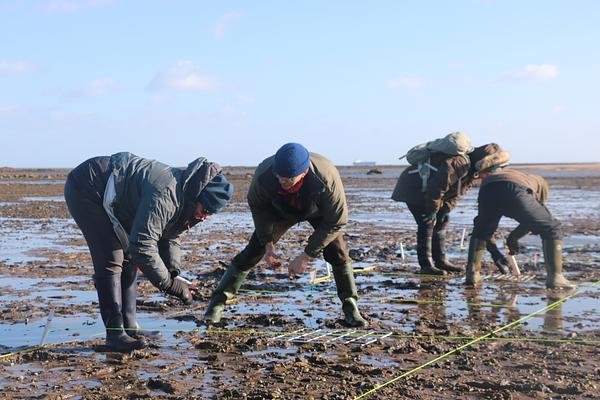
(34, 348)
(470, 343)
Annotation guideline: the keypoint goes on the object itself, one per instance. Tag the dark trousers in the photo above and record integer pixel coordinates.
(84, 191)
(426, 229)
(507, 199)
(335, 253)
(114, 277)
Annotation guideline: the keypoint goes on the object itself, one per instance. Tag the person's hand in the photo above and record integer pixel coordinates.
(180, 289)
(443, 216)
(298, 265)
(270, 257)
(193, 288)
(429, 218)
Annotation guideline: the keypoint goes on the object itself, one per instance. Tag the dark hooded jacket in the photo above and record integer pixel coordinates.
(155, 204)
(443, 186)
(454, 177)
(322, 197)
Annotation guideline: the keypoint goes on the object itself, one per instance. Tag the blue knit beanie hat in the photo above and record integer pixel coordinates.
(215, 195)
(291, 160)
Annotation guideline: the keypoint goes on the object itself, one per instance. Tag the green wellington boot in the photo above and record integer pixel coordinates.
(227, 288)
(476, 250)
(553, 257)
(346, 289)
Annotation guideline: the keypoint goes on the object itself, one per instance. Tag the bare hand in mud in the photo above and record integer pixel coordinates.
(298, 265)
(193, 287)
(270, 257)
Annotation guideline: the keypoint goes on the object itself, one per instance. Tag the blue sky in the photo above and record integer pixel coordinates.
(234, 80)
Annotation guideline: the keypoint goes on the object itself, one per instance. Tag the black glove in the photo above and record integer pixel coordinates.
(513, 245)
(174, 272)
(180, 289)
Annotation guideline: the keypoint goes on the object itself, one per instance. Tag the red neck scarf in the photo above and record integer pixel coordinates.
(293, 189)
(292, 195)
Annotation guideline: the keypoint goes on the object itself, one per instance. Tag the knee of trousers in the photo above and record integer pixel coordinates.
(483, 232)
(336, 252)
(553, 232)
(248, 258)
(110, 265)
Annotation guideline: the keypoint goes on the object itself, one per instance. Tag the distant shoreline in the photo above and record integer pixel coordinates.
(549, 165)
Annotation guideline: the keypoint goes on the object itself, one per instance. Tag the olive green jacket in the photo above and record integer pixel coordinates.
(322, 196)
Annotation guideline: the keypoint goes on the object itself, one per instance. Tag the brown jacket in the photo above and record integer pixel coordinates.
(535, 183)
(323, 200)
(444, 187)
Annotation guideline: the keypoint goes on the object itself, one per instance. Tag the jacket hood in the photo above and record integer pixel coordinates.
(194, 178)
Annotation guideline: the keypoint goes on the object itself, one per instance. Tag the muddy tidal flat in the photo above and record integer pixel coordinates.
(429, 337)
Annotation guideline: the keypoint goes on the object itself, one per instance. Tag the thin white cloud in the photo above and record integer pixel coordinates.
(15, 67)
(225, 23)
(557, 109)
(534, 73)
(183, 76)
(404, 83)
(94, 88)
(242, 98)
(7, 110)
(72, 6)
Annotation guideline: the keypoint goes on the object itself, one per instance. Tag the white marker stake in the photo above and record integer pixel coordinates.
(514, 266)
(535, 261)
(182, 279)
(328, 269)
(313, 276)
(47, 328)
(462, 239)
(402, 251)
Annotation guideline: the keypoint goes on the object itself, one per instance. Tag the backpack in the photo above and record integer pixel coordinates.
(454, 144)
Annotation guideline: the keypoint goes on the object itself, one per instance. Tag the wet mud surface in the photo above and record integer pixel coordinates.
(283, 338)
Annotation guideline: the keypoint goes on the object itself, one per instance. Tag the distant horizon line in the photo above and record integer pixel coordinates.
(337, 165)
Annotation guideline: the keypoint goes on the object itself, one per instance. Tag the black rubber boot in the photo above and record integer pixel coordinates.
(476, 250)
(129, 295)
(346, 290)
(227, 288)
(500, 260)
(438, 252)
(503, 265)
(424, 255)
(110, 300)
(554, 265)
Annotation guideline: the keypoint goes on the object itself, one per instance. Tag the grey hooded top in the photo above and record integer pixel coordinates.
(155, 204)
